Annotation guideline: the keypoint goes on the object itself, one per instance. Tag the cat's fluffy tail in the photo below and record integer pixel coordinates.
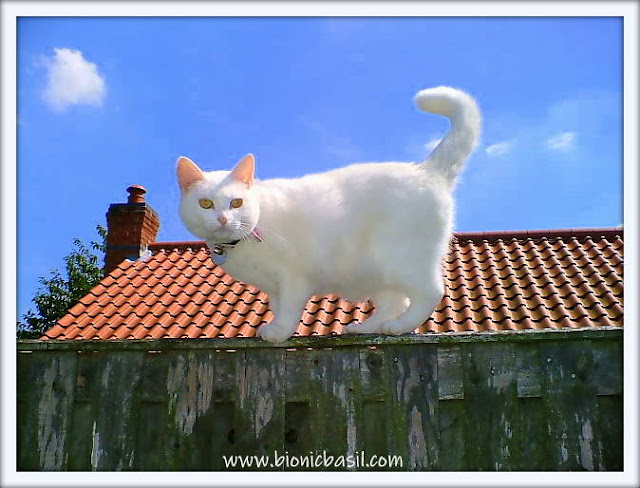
(449, 155)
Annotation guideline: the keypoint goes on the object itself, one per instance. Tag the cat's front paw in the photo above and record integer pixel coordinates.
(271, 333)
(396, 328)
(358, 328)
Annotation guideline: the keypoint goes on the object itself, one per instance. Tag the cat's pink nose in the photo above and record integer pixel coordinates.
(223, 220)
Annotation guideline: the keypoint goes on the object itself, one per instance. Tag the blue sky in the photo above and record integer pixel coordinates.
(105, 103)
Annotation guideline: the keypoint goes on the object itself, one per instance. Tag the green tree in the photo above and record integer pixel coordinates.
(58, 293)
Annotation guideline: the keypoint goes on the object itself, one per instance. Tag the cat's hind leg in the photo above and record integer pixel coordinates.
(389, 305)
(422, 304)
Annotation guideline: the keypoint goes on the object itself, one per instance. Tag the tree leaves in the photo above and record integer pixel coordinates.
(58, 293)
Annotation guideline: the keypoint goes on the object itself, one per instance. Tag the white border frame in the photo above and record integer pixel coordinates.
(11, 10)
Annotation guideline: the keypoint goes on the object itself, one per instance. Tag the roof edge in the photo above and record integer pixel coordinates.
(580, 233)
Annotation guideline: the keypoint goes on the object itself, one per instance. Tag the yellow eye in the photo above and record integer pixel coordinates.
(236, 202)
(205, 203)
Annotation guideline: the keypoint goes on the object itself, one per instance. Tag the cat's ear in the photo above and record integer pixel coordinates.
(188, 173)
(245, 170)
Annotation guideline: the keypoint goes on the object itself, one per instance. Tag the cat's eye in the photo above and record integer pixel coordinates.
(205, 203)
(236, 203)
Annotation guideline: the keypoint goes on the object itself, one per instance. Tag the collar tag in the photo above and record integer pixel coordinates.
(218, 254)
(219, 251)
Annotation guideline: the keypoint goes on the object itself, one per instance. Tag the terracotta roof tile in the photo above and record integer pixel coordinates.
(55, 331)
(494, 281)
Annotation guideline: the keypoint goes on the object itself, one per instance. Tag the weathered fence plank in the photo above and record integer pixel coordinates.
(607, 381)
(262, 403)
(300, 428)
(607, 367)
(451, 408)
(532, 422)
(30, 367)
(152, 414)
(536, 401)
(188, 386)
(610, 432)
(415, 402)
(534, 444)
(377, 416)
(45, 396)
(491, 407)
(228, 372)
(336, 389)
(113, 386)
(572, 407)
(86, 408)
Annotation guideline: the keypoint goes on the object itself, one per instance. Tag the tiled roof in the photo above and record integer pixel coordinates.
(494, 282)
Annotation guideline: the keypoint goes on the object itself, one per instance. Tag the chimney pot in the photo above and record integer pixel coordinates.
(136, 194)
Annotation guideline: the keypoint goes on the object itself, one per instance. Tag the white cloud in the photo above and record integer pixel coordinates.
(499, 149)
(562, 142)
(72, 80)
(431, 145)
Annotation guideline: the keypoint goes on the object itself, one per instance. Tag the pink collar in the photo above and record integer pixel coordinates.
(256, 233)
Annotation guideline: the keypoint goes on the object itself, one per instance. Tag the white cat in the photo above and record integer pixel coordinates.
(374, 230)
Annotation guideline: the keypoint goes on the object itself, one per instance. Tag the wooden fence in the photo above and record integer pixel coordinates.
(501, 401)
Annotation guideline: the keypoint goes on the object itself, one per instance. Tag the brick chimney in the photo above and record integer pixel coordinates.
(131, 227)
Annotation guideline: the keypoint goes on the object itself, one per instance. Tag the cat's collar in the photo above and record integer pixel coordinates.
(229, 244)
(219, 249)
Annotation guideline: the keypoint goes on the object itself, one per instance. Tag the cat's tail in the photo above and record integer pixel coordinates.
(449, 155)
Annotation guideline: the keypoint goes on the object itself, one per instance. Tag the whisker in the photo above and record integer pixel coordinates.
(266, 233)
(246, 231)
